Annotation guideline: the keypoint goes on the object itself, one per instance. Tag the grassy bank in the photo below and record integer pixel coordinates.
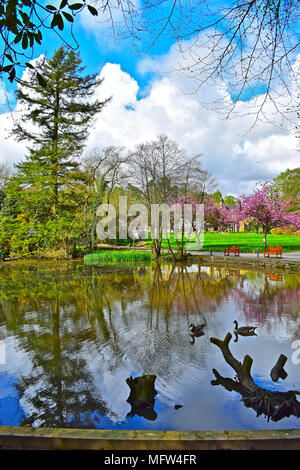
(119, 256)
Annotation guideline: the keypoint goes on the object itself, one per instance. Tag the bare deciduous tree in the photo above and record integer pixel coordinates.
(102, 171)
(163, 172)
(247, 47)
(251, 47)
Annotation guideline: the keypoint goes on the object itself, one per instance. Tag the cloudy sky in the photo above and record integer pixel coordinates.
(150, 99)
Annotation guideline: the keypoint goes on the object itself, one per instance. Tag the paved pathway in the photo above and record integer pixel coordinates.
(293, 256)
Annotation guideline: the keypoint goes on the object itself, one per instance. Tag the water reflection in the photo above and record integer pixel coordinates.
(76, 333)
(274, 405)
(243, 331)
(196, 331)
(274, 277)
(141, 398)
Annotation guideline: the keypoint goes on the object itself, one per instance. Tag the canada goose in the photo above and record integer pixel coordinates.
(196, 330)
(244, 330)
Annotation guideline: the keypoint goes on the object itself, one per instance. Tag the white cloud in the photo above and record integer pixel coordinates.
(112, 19)
(10, 150)
(236, 158)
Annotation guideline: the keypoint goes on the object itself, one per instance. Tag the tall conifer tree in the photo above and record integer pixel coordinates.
(58, 109)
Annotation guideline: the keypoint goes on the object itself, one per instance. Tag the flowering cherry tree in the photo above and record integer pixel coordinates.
(211, 214)
(267, 208)
(218, 218)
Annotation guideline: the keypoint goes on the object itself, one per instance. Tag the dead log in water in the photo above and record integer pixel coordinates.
(278, 371)
(141, 398)
(274, 405)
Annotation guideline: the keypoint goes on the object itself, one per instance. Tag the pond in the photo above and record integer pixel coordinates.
(72, 334)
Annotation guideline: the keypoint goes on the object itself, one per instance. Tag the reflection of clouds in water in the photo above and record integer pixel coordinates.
(141, 349)
(17, 362)
(184, 373)
(109, 382)
(150, 336)
(161, 346)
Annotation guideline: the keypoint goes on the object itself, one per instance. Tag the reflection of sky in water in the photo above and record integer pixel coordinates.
(142, 337)
(11, 412)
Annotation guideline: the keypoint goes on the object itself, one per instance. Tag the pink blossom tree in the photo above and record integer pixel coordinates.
(267, 208)
(211, 215)
(218, 218)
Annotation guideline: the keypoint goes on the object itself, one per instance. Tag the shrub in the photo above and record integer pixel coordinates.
(285, 231)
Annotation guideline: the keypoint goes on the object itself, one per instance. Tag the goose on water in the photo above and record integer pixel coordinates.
(196, 330)
(244, 330)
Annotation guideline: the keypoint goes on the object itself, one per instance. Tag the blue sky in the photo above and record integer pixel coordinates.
(148, 99)
(99, 47)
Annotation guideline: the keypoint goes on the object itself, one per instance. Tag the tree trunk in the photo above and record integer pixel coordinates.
(171, 250)
(156, 243)
(278, 370)
(54, 159)
(243, 370)
(265, 237)
(142, 394)
(273, 404)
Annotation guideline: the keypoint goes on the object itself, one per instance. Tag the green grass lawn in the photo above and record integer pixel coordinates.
(249, 242)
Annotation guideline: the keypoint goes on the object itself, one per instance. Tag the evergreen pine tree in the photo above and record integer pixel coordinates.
(56, 121)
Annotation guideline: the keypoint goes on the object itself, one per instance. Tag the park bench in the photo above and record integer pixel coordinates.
(274, 277)
(232, 249)
(273, 250)
(233, 272)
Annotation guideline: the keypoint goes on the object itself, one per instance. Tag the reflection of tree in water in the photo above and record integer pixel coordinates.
(62, 314)
(152, 330)
(58, 390)
(188, 293)
(54, 310)
(273, 301)
(273, 404)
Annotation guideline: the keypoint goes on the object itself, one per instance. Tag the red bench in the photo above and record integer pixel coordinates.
(274, 277)
(273, 250)
(232, 249)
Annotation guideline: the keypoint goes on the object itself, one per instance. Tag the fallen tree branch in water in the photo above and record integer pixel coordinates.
(273, 404)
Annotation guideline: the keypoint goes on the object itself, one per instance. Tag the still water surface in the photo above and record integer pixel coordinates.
(73, 333)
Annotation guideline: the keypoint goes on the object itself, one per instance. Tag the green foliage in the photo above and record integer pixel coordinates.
(22, 23)
(230, 200)
(18, 238)
(61, 118)
(118, 256)
(44, 199)
(217, 197)
(288, 185)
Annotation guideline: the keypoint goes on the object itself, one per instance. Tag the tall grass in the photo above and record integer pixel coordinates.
(119, 256)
